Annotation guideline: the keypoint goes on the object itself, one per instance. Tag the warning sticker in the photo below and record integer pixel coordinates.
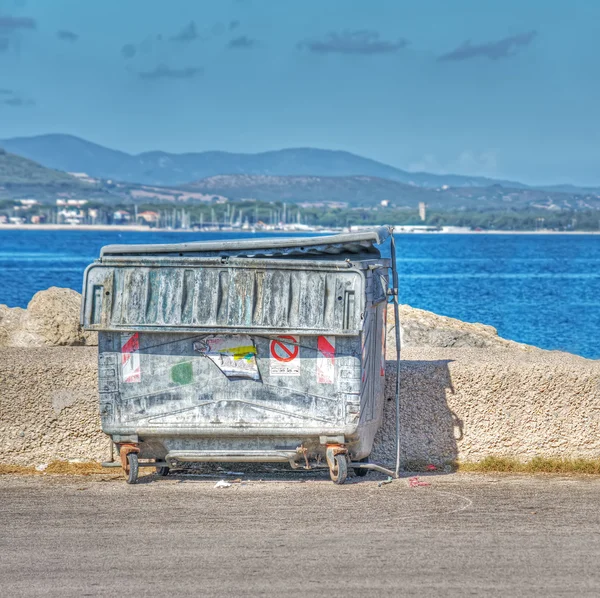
(326, 359)
(284, 354)
(130, 357)
(234, 355)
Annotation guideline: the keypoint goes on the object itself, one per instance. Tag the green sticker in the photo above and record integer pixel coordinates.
(182, 373)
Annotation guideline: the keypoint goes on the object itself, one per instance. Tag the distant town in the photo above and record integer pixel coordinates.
(256, 216)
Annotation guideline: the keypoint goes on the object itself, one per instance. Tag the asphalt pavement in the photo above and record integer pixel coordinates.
(462, 535)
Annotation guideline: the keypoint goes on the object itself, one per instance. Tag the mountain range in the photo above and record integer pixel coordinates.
(54, 156)
(72, 154)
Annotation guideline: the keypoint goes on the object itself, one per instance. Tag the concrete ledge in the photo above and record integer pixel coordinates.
(49, 405)
(456, 404)
(468, 404)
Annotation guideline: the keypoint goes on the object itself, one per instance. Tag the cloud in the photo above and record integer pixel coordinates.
(188, 34)
(234, 24)
(353, 42)
(8, 23)
(468, 162)
(67, 36)
(162, 71)
(6, 92)
(242, 42)
(18, 102)
(502, 48)
(4, 44)
(128, 51)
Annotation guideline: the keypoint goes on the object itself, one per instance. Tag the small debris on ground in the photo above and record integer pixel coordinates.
(388, 481)
(41, 467)
(222, 484)
(414, 482)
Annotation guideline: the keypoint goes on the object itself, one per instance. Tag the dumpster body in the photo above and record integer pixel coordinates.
(255, 351)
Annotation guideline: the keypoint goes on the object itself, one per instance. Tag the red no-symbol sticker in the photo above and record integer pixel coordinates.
(285, 356)
(283, 351)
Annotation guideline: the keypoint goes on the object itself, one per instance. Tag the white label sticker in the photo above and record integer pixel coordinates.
(326, 359)
(130, 357)
(234, 355)
(284, 356)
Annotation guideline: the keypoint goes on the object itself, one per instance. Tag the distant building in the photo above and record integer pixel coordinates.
(83, 176)
(71, 216)
(385, 203)
(149, 217)
(422, 211)
(71, 202)
(121, 216)
(27, 203)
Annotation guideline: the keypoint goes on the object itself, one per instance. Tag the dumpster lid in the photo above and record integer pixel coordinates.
(354, 243)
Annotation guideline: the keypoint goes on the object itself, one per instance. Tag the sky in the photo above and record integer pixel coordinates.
(501, 88)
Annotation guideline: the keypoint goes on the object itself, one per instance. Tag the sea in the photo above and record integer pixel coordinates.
(539, 289)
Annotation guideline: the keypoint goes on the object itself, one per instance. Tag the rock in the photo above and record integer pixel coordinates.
(51, 319)
(11, 319)
(421, 328)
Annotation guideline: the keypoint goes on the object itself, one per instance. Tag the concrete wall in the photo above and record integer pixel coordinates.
(460, 404)
(49, 405)
(466, 404)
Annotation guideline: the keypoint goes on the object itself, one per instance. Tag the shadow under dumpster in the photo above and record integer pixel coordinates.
(429, 429)
(429, 433)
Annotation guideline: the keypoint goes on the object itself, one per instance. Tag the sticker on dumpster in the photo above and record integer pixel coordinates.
(234, 355)
(130, 357)
(325, 359)
(285, 356)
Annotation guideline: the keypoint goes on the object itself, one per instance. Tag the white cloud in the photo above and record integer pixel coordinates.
(468, 162)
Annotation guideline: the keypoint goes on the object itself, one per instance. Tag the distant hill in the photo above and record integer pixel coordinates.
(16, 170)
(21, 178)
(24, 178)
(72, 154)
(370, 191)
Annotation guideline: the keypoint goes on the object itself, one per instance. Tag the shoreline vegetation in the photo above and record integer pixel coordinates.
(400, 229)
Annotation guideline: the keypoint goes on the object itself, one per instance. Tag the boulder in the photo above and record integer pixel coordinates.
(421, 328)
(51, 319)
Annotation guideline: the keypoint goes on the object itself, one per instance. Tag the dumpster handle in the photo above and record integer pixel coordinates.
(397, 329)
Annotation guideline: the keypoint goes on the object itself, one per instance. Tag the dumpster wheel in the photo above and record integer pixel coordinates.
(133, 468)
(163, 471)
(339, 473)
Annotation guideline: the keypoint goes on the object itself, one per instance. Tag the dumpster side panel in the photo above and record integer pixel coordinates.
(168, 383)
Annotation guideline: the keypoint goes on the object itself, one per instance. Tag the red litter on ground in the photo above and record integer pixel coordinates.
(415, 482)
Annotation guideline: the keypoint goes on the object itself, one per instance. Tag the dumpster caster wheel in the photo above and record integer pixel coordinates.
(340, 472)
(163, 471)
(132, 462)
(359, 471)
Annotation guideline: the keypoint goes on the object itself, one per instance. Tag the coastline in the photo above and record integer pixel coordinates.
(140, 229)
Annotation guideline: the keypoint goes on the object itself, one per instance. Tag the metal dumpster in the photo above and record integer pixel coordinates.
(261, 350)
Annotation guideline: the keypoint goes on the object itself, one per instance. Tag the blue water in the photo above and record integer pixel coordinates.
(537, 289)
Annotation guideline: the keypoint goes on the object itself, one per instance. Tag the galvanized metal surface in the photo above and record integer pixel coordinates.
(178, 295)
(204, 358)
(353, 243)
